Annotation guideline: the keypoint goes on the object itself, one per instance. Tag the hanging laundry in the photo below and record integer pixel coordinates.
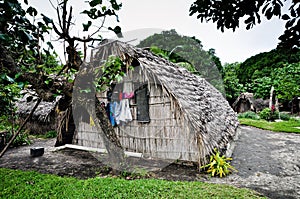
(92, 121)
(128, 95)
(120, 96)
(128, 90)
(122, 112)
(117, 111)
(112, 114)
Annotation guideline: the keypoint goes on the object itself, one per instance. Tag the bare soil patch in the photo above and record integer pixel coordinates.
(267, 162)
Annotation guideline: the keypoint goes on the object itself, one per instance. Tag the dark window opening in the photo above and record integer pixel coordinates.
(142, 104)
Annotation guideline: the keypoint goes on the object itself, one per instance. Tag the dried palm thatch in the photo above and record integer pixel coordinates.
(245, 102)
(209, 116)
(43, 117)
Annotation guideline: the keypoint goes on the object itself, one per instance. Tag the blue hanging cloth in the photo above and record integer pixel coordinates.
(110, 112)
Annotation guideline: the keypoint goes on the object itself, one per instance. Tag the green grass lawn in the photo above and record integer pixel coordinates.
(282, 126)
(20, 184)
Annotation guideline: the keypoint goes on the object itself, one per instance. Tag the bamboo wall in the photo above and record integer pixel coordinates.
(167, 136)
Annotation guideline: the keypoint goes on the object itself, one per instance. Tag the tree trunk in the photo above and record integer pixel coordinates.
(112, 144)
(65, 127)
(111, 141)
(86, 105)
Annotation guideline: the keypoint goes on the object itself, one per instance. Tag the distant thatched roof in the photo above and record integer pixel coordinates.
(244, 96)
(42, 112)
(245, 102)
(209, 114)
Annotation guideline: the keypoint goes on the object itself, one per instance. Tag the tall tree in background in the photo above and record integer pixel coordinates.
(263, 64)
(182, 49)
(229, 13)
(232, 85)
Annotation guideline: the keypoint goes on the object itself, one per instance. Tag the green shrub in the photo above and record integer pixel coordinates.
(21, 139)
(248, 114)
(6, 123)
(285, 116)
(219, 165)
(7, 126)
(51, 134)
(267, 114)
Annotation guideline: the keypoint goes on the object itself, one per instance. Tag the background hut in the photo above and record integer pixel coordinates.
(244, 103)
(173, 114)
(43, 118)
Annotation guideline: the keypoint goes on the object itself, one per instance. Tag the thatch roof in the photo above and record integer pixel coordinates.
(210, 116)
(245, 102)
(42, 112)
(244, 96)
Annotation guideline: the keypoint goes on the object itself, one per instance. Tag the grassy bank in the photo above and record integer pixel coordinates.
(282, 126)
(20, 184)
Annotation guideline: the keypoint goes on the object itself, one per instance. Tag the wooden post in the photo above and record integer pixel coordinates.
(271, 97)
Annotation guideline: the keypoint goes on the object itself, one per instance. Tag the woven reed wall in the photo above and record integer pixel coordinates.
(166, 136)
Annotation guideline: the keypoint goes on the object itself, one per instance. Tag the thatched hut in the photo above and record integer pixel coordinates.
(173, 114)
(43, 118)
(244, 103)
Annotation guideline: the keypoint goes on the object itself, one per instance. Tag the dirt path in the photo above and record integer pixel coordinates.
(267, 162)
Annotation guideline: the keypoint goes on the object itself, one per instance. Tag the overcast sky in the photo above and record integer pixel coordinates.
(174, 14)
(230, 46)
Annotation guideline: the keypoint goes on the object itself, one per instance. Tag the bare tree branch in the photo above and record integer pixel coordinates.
(102, 25)
(69, 20)
(58, 16)
(64, 16)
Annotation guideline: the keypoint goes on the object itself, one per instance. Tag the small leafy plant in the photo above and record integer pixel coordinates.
(20, 140)
(51, 134)
(219, 165)
(7, 126)
(136, 173)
